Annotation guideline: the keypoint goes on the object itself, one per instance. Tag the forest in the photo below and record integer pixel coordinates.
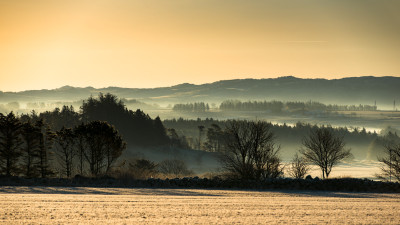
(276, 107)
(92, 141)
(85, 142)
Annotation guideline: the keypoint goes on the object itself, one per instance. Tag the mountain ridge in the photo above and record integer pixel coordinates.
(348, 90)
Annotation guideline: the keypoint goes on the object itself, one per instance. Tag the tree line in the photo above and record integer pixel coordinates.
(32, 149)
(272, 106)
(249, 149)
(137, 127)
(209, 132)
(85, 142)
(278, 106)
(250, 152)
(65, 142)
(197, 107)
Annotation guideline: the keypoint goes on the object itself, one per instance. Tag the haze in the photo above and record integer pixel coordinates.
(48, 44)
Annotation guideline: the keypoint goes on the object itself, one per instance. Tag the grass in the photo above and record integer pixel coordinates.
(57, 205)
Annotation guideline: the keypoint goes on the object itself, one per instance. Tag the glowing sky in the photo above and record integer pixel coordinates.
(150, 43)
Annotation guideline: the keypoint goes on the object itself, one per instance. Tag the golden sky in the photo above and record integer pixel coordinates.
(151, 43)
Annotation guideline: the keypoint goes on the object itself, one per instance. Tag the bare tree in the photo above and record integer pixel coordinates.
(174, 167)
(251, 152)
(298, 167)
(324, 149)
(391, 162)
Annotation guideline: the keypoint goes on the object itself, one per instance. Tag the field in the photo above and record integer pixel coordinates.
(49, 205)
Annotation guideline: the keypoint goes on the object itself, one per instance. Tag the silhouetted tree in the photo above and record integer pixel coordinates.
(324, 149)
(298, 167)
(215, 138)
(106, 107)
(104, 146)
(66, 149)
(57, 119)
(114, 146)
(174, 137)
(69, 117)
(201, 131)
(32, 117)
(251, 152)
(391, 162)
(46, 141)
(177, 141)
(10, 143)
(391, 158)
(174, 167)
(143, 168)
(160, 134)
(80, 134)
(30, 149)
(137, 127)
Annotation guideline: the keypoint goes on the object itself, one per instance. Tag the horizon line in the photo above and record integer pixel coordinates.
(194, 84)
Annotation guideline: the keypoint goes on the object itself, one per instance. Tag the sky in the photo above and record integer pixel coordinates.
(46, 44)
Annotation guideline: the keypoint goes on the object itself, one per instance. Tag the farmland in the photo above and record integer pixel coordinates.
(58, 205)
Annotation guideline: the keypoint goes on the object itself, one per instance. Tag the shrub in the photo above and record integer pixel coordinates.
(174, 167)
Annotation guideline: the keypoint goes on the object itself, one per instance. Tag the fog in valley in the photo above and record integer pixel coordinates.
(189, 119)
(200, 112)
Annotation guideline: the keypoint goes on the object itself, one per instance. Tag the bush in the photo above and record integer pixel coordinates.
(298, 167)
(174, 167)
(143, 169)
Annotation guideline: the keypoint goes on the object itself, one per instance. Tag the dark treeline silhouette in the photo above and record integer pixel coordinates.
(32, 149)
(192, 131)
(323, 146)
(288, 134)
(278, 106)
(65, 142)
(272, 106)
(137, 128)
(197, 107)
(236, 105)
(29, 146)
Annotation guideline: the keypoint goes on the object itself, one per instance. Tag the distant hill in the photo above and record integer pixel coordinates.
(351, 90)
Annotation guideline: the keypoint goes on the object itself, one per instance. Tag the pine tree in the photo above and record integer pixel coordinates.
(10, 144)
(30, 136)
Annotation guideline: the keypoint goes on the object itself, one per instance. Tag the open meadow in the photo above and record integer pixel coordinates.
(58, 205)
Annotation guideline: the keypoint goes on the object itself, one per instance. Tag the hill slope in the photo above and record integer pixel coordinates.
(352, 90)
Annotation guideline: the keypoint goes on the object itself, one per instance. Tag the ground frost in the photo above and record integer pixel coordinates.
(23, 205)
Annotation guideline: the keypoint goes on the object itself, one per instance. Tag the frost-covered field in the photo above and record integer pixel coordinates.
(49, 205)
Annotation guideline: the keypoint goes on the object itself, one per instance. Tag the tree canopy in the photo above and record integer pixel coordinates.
(324, 149)
(251, 152)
